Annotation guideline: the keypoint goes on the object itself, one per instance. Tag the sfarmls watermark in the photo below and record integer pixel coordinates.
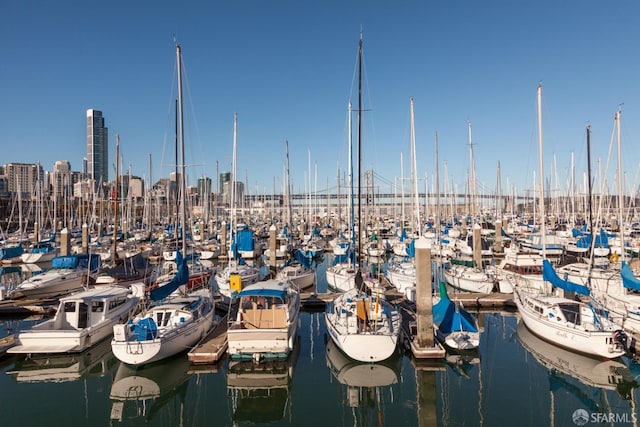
(582, 417)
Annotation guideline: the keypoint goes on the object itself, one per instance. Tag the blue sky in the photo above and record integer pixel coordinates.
(288, 69)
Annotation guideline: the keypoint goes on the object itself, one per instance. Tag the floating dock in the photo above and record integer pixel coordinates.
(213, 346)
(24, 307)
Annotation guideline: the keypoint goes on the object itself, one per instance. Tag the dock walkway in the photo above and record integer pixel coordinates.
(213, 346)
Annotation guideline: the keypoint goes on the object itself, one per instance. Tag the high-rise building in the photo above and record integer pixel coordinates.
(97, 147)
(23, 178)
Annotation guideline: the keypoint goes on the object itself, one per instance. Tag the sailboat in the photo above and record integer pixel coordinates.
(341, 275)
(237, 273)
(455, 326)
(175, 321)
(364, 326)
(615, 289)
(570, 323)
(402, 274)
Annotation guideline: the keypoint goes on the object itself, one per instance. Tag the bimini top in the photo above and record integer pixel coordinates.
(267, 288)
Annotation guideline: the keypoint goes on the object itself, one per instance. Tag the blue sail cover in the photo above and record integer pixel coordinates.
(302, 258)
(450, 318)
(629, 280)
(181, 278)
(244, 239)
(550, 275)
(411, 248)
(80, 261)
(602, 241)
(9, 252)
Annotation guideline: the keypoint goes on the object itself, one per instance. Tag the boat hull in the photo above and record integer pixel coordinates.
(549, 328)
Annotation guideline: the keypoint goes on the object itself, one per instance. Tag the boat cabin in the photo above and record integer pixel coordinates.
(80, 313)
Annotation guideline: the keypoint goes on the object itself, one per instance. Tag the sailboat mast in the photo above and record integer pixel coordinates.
(414, 175)
(350, 176)
(589, 189)
(114, 251)
(359, 148)
(289, 221)
(620, 189)
(543, 227)
(182, 188)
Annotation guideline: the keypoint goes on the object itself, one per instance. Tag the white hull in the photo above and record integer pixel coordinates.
(65, 333)
(402, 276)
(34, 257)
(300, 277)
(371, 341)
(470, 279)
(265, 322)
(583, 336)
(341, 277)
(249, 275)
(50, 284)
(173, 337)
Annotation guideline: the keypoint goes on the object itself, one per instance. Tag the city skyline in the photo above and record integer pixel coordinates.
(287, 70)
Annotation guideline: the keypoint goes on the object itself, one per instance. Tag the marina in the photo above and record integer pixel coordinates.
(506, 378)
(371, 300)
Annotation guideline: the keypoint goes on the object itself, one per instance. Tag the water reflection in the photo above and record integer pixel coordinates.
(366, 387)
(94, 362)
(145, 391)
(602, 374)
(260, 392)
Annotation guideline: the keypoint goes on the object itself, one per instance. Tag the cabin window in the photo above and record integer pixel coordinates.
(571, 312)
(116, 302)
(70, 307)
(97, 306)
(159, 316)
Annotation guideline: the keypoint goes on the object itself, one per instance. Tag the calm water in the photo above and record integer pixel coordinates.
(514, 379)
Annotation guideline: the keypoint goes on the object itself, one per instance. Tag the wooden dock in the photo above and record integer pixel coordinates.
(213, 346)
(24, 307)
(311, 301)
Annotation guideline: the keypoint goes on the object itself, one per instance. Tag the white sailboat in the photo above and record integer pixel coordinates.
(236, 268)
(569, 323)
(341, 275)
(172, 323)
(364, 326)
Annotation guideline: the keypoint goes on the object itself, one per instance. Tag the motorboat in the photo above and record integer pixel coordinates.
(263, 320)
(67, 274)
(82, 320)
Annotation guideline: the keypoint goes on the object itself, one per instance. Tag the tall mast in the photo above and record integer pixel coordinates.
(114, 251)
(543, 226)
(233, 182)
(620, 189)
(359, 148)
(414, 175)
(287, 192)
(350, 176)
(183, 214)
(589, 189)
